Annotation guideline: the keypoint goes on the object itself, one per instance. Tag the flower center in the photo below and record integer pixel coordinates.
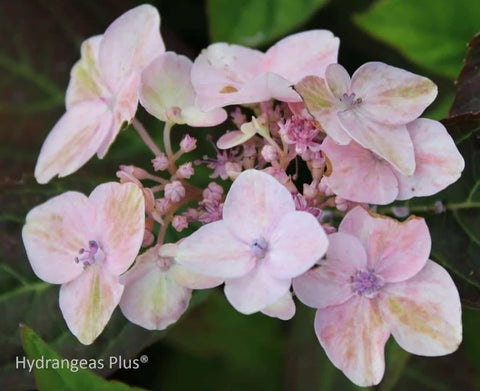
(91, 255)
(351, 100)
(366, 283)
(164, 263)
(259, 247)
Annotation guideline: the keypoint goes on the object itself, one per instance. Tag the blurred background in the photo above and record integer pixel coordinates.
(213, 347)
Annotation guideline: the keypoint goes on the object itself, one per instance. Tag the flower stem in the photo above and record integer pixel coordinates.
(137, 125)
(163, 229)
(167, 142)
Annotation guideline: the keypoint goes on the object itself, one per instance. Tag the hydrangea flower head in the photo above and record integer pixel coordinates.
(85, 243)
(377, 280)
(261, 243)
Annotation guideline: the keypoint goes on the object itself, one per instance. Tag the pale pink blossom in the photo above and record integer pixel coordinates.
(157, 290)
(179, 223)
(167, 93)
(188, 143)
(261, 243)
(160, 162)
(372, 108)
(85, 243)
(304, 204)
(185, 171)
(174, 191)
(102, 94)
(213, 192)
(377, 280)
(162, 205)
(269, 153)
(209, 211)
(302, 133)
(357, 174)
(219, 165)
(226, 74)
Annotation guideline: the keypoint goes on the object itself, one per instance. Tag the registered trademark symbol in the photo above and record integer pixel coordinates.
(143, 358)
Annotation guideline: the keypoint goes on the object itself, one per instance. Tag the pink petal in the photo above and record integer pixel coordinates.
(152, 298)
(120, 223)
(166, 87)
(302, 54)
(424, 312)
(195, 117)
(109, 139)
(54, 233)
(129, 44)
(392, 95)
(353, 335)
(391, 143)
(220, 72)
(126, 99)
(329, 284)
(273, 85)
(255, 205)
(214, 251)
(438, 162)
(323, 106)
(256, 290)
(283, 308)
(338, 80)
(193, 280)
(396, 250)
(296, 244)
(73, 140)
(85, 79)
(299, 109)
(234, 138)
(358, 175)
(87, 303)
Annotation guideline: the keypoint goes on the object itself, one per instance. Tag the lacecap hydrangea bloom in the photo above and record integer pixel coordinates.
(306, 145)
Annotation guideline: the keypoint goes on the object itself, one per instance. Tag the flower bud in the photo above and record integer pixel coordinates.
(174, 191)
(269, 153)
(233, 169)
(213, 192)
(185, 171)
(179, 223)
(160, 162)
(188, 143)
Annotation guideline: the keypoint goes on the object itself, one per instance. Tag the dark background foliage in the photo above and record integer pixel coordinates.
(213, 347)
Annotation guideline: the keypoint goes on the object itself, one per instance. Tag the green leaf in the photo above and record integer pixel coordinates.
(256, 22)
(223, 349)
(396, 360)
(471, 342)
(60, 376)
(431, 33)
(461, 224)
